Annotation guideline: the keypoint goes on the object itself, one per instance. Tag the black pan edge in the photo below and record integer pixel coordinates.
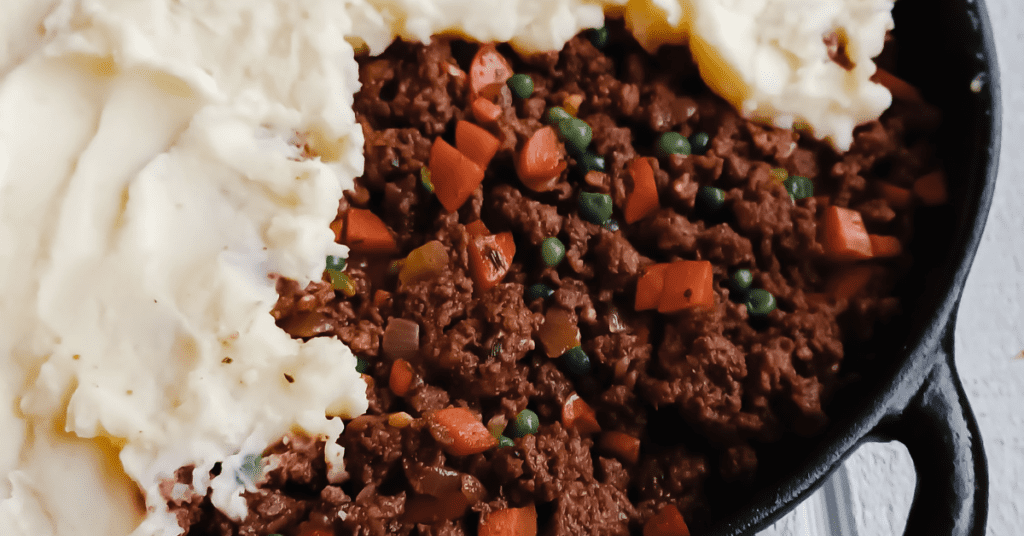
(982, 111)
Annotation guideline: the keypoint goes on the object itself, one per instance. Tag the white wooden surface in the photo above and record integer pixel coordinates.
(989, 335)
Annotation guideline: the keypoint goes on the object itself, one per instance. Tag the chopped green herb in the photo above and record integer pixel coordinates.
(425, 179)
(336, 263)
(598, 37)
(340, 281)
(251, 469)
(799, 187)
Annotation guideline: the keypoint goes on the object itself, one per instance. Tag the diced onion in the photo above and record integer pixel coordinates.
(497, 425)
(615, 324)
(425, 262)
(401, 339)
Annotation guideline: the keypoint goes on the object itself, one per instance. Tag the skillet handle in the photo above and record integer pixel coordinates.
(939, 430)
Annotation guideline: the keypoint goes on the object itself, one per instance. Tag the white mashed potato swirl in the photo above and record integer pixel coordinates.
(150, 183)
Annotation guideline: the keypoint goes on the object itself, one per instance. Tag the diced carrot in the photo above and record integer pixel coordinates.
(667, 522)
(843, 235)
(490, 257)
(622, 445)
(576, 413)
(509, 522)
(849, 281)
(540, 163)
(931, 188)
(488, 71)
(366, 233)
(381, 298)
(898, 198)
(559, 332)
(338, 226)
(460, 432)
(485, 111)
(454, 175)
(476, 143)
(643, 200)
(650, 286)
(899, 88)
(401, 377)
(885, 246)
(687, 284)
(477, 228)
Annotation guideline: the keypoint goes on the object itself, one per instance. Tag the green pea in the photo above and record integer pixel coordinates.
(340, 281)
(538, 291)
(526, 423)
(590, 162)
(760, 302)
(336, 263)
(505, 441)
(425, 179)
(710, 198)
(552, 251)
(595, 208)
(557, 114)
(673, 143)
(576, 133)
(362, 365)
(576, 361)
(598, 37)
(799, 187)
(742, 278)
(521, 85)
(699, 142)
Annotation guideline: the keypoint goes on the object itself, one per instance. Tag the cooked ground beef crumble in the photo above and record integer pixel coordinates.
(735, 379)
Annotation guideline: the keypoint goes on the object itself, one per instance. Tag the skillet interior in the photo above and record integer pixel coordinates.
(943, 45)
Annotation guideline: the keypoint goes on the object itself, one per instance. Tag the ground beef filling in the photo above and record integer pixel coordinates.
(719, 373)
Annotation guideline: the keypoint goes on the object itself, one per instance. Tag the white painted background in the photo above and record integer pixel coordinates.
(989, 334)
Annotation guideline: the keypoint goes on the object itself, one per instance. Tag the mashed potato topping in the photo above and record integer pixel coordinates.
(153, 174)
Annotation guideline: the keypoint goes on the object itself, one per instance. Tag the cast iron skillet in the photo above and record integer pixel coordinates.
(913, 394)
